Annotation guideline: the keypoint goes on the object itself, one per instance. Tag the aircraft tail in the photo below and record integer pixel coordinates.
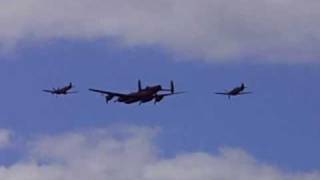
(172, 90)
(243, 86)
(139, 85)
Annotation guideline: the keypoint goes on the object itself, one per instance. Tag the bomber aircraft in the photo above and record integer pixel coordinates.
(235, 91)
(143, 95)
(61, 91)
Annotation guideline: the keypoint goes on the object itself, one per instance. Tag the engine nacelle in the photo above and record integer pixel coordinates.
(108, 98)
(158, 98)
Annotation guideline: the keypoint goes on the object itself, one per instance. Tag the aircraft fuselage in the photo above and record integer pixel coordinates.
(236, 91)
(144, 95)
(63, 90)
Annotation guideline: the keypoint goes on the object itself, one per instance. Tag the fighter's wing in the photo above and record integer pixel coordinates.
(48, 91)
(108, 93)
(221, 93)
(243, 93)
(72, 92)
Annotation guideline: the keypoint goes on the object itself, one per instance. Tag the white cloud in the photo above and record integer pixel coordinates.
(214, 30)
(130, 154)
(5, 138)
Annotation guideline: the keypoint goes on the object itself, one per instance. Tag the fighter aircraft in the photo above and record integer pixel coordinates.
(235, 91)
(61, 91)
(143, 95)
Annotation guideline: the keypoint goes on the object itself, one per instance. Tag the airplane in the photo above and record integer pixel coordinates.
(142, 95)
(61, 91)
(235, 91)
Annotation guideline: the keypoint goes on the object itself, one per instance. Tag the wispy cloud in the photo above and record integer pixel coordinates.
(130, 154)
(212, 30)
(5, 138)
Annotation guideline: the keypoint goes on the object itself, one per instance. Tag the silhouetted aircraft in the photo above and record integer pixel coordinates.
(143, 95)
(61, 91)
(235, 91)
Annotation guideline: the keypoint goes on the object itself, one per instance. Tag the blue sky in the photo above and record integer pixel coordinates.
(204, 46)
(278, 124)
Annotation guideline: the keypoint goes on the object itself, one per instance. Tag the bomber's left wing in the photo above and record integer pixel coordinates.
(108, 93)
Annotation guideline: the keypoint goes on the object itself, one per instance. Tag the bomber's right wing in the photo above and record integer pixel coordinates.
(170, 94)
(159, 97)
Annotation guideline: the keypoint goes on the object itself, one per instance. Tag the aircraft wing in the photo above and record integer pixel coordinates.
(48, 91)
(221, 93)
(170, 94)
(108, 93)
(243, 93)
(72, 92)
